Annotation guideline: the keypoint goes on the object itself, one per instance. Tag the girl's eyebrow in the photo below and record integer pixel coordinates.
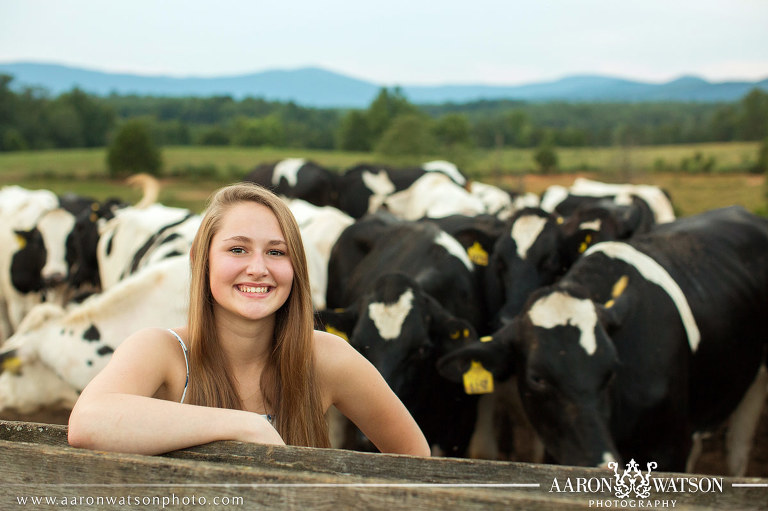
(246, 239)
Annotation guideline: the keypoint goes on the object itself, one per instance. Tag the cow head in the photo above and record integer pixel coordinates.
(83, 241)
(28, 261)
(401, 330)
(603, 220)
(526, 258)
(561, 352)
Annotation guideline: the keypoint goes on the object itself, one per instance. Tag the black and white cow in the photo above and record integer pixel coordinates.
(603, 220)
(298, 178)
(409, 299)
(56, 351)
(363, 188)
(20, 259)
(564, 201)
(642, 343)
(526, 257)
(139, 237)
(433, 195)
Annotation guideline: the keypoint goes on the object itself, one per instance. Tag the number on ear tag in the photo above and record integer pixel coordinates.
(478, 380)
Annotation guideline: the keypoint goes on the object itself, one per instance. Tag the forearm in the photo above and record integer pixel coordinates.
(143, 425)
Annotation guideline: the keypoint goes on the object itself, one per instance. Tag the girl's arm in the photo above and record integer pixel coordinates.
(119, 409)
(358, 390)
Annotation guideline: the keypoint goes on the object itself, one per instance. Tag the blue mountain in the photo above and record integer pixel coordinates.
(315, 87)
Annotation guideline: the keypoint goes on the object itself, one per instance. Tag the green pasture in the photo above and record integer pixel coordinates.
(191, 173)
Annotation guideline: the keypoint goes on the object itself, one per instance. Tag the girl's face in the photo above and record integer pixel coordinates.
(250, 270)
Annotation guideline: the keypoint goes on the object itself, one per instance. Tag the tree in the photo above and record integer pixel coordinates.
(354, 133)
(546, 157)
(266, 131)
(385, 108)
(408, 135)
(761, 165)
(453, 130)
(133, 150)
(753, 119)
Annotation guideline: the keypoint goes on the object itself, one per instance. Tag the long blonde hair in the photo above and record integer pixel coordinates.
(288, 383)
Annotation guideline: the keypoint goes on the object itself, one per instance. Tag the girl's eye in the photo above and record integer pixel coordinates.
(237, 250)
(275, 252)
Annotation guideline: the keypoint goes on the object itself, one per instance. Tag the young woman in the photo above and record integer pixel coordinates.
(255, 371)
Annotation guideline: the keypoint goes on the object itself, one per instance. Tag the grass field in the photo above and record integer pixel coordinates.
(193, 172)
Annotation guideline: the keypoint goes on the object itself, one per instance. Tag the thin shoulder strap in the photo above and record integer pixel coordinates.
(186, 361)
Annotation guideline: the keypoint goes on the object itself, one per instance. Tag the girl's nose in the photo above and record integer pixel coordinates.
(257, 265)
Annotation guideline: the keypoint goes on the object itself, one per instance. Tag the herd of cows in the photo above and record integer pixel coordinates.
(619, 330)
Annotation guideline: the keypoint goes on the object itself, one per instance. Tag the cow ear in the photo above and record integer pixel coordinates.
(340, 322)
(613, 312)
(490, 353)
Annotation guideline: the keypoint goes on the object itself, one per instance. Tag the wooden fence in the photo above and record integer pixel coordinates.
(37, 463)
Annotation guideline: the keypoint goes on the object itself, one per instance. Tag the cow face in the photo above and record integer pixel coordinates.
(402, 331)
(565, 363)
(55, 227)
(524, 259)
(83, 241)
(28, 261)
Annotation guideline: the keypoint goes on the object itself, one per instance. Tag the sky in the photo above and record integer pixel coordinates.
(396, 42)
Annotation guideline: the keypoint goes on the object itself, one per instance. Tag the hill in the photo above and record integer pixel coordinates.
(315, 87)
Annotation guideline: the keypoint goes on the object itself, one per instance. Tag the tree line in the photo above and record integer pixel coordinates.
(391, 125)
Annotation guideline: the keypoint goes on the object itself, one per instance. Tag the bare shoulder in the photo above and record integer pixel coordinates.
(331, 350)
(151, 341)
(148, 362)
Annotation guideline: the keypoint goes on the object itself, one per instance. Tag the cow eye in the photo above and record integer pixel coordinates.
(538, 383)
(424, 351)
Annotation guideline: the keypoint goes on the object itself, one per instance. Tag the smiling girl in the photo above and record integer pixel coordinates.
(248, 366)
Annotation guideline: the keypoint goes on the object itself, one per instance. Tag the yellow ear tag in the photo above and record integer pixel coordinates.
(334, 331)
(11, 365)
(21, 241)
(618, 289)
(478, 380)
(585, 244)
(478, 255)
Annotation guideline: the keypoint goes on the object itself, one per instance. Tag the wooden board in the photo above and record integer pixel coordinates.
(37, 462)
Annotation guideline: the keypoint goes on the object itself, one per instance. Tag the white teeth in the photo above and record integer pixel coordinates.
(249, 289)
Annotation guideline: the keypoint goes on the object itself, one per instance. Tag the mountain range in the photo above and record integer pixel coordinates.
(321, 88)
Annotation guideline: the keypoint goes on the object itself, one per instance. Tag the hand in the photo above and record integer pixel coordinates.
(260, 431)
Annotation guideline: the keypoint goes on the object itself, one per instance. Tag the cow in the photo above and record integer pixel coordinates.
(21, 259)
(433, 195)
(364, 187)
(603, 220)
(564, 201)
(410, 297)
(526, 257)
(298, 178)
(447, 168)
(642, 343)
(138, 237)
(56, 351)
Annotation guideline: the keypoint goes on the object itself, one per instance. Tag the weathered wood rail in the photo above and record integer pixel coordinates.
(37, 462)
